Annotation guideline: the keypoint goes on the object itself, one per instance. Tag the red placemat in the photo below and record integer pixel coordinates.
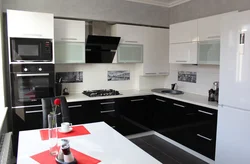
(76, 131)
(46, 158)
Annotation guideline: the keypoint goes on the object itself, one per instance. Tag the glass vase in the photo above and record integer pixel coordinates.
(52, 130)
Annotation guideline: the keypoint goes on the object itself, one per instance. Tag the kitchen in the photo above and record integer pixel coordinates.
(186, 53)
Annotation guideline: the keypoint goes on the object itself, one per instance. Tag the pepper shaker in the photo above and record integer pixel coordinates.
(67, 155)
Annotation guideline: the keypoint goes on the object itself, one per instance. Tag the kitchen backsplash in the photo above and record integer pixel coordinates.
(95, 76)
(127, 76)
(109, 76)
(205, 76)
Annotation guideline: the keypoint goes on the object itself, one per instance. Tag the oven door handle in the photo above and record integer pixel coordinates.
(27, 75)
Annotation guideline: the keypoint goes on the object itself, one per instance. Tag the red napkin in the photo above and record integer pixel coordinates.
(46, 158)
(76, 131)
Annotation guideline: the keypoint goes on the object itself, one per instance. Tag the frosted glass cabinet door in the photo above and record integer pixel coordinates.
(69, 52)
(209, 52)
(130, 53)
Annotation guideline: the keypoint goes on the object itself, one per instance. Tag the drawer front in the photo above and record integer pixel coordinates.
(110, 117)
(206, 113)
(33, 118)
(109, 112)
(84, 112)
(205, 145)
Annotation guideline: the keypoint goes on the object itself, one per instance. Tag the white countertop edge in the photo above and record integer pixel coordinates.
(186, 97)
(187, 101)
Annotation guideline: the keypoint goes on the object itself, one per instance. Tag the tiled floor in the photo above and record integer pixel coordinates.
(164, 151)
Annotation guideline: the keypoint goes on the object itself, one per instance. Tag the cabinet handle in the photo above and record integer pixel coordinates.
(182, 106)
(150, 73)
(106, 103)
(181, 61)
(213, 37)
(136, 100)
(68, 38)
(160, 100)
(163, 73)
(27, 75)
(33, 35)
(113, 126)
(107, 111)
(75, 106)
(35, 111)
(129, 41)
(202, 111)
(29, 106)
(206, 138)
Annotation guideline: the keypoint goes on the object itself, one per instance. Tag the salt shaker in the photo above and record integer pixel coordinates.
(67, 155)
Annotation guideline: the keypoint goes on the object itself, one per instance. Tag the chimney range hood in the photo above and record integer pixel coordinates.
(100, 46)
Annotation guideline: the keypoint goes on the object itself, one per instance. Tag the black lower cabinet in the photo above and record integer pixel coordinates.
(25, 119)
(94, 111)
(84, 112)
(190, 125)
(109, 112)
(135, 114)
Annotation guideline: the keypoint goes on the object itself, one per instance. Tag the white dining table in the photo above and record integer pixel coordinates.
(103, 143)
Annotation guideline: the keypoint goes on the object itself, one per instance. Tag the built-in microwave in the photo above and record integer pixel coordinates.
(31, 50)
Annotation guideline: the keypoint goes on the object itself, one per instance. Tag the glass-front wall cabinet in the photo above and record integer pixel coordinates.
(130, 53)
(69, 52)
(209, 52)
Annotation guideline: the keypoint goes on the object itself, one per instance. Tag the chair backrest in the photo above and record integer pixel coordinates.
(48, 103)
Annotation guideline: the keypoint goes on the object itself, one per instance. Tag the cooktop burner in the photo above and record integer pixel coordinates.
(102, 92)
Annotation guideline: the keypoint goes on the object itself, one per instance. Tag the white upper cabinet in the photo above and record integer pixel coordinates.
(26, 24)
(69, 41)
(129, 34)
(130, 49)
(69, 30)
(184, 32)
(153, 43)
(156, 51)
(209, 28)
(184, 53)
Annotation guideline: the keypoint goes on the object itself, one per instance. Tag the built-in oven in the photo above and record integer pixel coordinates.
(31, 50)
(30, 83)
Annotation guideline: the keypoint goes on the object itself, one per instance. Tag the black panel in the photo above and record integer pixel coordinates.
(95, 56)
(32, 68)
(101, 49)
(99, 43)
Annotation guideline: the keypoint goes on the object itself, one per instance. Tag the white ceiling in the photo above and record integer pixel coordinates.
(164, 3)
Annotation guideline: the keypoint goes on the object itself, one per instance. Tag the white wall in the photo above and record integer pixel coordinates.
(206, 75)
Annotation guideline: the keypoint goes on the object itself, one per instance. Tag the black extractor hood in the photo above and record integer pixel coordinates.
(100, 46)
